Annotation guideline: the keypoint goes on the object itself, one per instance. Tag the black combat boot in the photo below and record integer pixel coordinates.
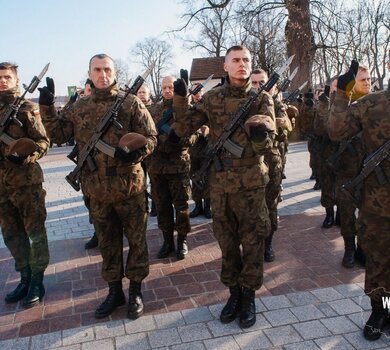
(136, 305)
(268, 251)
(248, 308)
(337, 220)
(312, 176)
(153, 211)
(375, 324)
(36, 291)
(198, 210)
(21, 289)
(182, 248)
(168, 245)
(349, 253)
(207, 209)
(329, 218)
(360, 256)
(92, 243)
(317, 186)
(115, 298)
(233, 305)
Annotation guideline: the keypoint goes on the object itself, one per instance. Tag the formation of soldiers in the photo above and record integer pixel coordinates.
(241, 189)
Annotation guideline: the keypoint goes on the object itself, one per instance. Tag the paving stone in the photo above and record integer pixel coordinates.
(223, 343)
(137, 341)
(360, 318)
(219, 329)
(276, 302)
(253, 341)
(302, 298)
(339, 325)
(363, 301)
(345, 306)
(349, 290)
(326, 309)
(102, 344)
(77, 335)
(282, 335)
(109, 329)
(306, 345)
(334, 342)
(193, 332)
(260, 307)
(189, 346)
(306, 312)
(71, 347)
(14, 344)
(45, 341)
(312, 329)
(142, 324)
(170, 319)
(280, 317)
(360, 343)
(216, 310)
(327, 294)
(164, 337)
(200, 314)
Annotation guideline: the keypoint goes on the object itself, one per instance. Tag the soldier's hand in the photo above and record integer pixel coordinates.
(346, 81)
(46, 93)
(124, 156)
(184, 75)
(180, 87)
(324, 97)
(308, 98)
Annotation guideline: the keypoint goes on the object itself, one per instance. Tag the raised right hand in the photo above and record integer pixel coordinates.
(46, 94)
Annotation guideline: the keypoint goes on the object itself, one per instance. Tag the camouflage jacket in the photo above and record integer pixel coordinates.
(306, 118)
(12, 175)
(283, 122)
(113, 180)
(168, 157)
(216, 110)
(370, 115)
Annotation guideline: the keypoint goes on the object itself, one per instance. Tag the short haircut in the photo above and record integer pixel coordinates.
(8, 65)
(363, 68)
(235, 48)
(258, 71)
(100, 56)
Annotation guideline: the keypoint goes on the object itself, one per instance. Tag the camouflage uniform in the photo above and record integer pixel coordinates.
(370, 115)
(22, 198)
(116, 188)
(168, 168)
(240, 214)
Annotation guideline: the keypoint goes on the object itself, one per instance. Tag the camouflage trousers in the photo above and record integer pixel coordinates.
(171, 192)
(311, 145)
(283, 150)
(22, 219)
(273, 188)
(112, 221)
(346, 209)
(327, 180)
(241, 220)
(373, 231)
(196, 193)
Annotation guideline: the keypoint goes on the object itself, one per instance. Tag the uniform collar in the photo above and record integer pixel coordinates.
(235, 91)
(8, 96)
(104, 94)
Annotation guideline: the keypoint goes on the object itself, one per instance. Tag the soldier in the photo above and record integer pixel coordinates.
(22, 198)
(240, 214)
(168, 168)
(116, 188)
(369, 115)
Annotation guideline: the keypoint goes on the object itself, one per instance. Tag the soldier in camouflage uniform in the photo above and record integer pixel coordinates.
(240, 214)
(22, 198)
(370, 116)
(116, 187)
(169, 167)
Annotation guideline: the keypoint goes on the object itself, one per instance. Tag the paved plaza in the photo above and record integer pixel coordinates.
(307, 301)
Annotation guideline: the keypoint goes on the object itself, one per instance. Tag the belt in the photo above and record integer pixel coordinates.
(237, 162)
(115, 170)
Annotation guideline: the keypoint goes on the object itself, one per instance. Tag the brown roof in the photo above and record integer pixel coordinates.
(201, 68)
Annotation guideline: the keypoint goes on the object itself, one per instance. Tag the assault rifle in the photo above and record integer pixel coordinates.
(236, 121)
(293, 96)
(108, 118)
(9, 114)
(286, 82)
(370, 164)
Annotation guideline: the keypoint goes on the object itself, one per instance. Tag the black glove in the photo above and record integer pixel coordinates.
(300, 99)
(16, 159)
(46, 94)
(184, 75)
(127, 157)
(324, 97)
(308, 98)
(180, 87)
(347, 79)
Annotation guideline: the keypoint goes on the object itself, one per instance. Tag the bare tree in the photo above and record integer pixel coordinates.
(122, 72)
(159, 52)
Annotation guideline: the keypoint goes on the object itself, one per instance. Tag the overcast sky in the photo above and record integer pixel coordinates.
(67, 33)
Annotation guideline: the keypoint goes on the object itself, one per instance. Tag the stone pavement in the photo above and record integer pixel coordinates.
(308, 301)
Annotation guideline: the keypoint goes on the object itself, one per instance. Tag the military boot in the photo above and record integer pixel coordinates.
(136, 306)
(360, 256)
(182, 248)
(168, 245)
(329, 218)
(115, 298)
(317, 186)
(36, 291)
(198, 210)
(268, 251)
(233, 305)
(92, 243)
(248, 308)
(207, 209)
(375, 324)
(349, 253)
(312, 176)
(21, 289)
(153, 211)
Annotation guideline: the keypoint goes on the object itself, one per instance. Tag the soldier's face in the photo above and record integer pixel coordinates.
(257, 79)
(143, 94)
(102, 72)
(362, 82)
(167, 88)
(238, 65)
(8, 79)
